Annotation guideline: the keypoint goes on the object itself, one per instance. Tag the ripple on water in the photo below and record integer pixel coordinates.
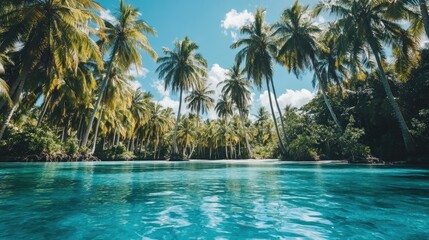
(204, 200)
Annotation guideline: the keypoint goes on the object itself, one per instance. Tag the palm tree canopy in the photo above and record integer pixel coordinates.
(224, 106)
(200, 100)
(258, 49)
(367, 24)
(127, 33)
(53, 33)
(296, 34)
(237, 87)
(182, 67)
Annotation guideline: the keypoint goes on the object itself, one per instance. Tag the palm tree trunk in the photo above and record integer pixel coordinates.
(425, 15)
(239, 149)
(406, 136)
(282, 147)
(100, 96)
(44, 109)
(325, 96)
(245, 137)
(279, 110)
(96, 130)
(15, 102)
(174, 149)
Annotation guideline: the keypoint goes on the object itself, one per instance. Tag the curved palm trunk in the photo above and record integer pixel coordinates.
(407, 138)
(15, 102)
(279, 110)
(100, 96)
(329, 106)
(245, 137)
(174, 149)
(44, 109)
(96, 131)
(325, 96)
(425, 15)
(282, 147)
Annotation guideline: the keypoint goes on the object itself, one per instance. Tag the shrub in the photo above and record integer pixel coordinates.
(32, 141)
(350, 142)
(302, 149)
(118, 152)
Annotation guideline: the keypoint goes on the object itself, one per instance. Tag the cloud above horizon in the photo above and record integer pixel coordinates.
(234, 20)
(294, 98)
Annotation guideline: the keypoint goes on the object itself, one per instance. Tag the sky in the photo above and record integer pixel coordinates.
(214, 26)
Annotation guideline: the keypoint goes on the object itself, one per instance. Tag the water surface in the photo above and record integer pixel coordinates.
(212, 200)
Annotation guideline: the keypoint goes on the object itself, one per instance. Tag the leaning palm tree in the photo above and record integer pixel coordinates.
(122, 39)
(365, 26)
(182, 69)
(296, 34)
(200, 100)
(257, 53)
(238, 89)
(53, 37)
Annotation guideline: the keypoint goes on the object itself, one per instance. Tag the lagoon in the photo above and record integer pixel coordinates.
(212, 200)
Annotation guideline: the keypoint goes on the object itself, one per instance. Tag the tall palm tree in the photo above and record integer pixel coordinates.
(182, 69)
(122, 39)
(366, 26)
(258, 50)
(54, 37)
(224, 109)
(296, 35)
(237, 88)
(200, 100)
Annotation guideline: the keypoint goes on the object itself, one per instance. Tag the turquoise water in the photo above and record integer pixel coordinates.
(204, 200)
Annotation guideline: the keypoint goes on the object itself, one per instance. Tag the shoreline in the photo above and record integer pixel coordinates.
(234, 161)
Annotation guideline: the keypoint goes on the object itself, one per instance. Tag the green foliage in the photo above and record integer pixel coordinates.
(118, 152)
(32, 141)
(71, 146)
(350, 142)
(302, 148)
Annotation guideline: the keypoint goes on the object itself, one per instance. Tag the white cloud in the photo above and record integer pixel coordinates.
(159, 86)
(135, 72)
(167, 102)
(216, 75)
(234, 20)
(135, 84)
(234, 36)
(424, 42)
(294, 98)
(320, 20)
(107, 15)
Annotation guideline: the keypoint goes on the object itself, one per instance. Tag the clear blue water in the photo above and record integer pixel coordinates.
(204, 200)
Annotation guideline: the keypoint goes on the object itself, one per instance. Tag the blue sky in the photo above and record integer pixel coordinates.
(213, 26)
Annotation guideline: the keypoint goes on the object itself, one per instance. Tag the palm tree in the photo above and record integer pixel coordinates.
(53, 35)
(200, 100)
(122, 39)
(182, 69)
(365, 26)
(257, 52)
(224, 109)
(237, 88)
(296, 35)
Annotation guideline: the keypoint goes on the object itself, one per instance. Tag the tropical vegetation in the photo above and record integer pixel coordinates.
(66, 88)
